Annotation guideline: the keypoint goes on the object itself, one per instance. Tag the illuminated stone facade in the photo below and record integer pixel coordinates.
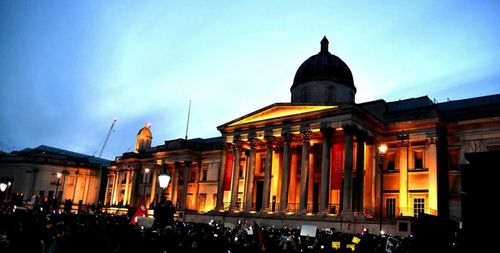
(34, 176)
(318, 156)
(193, 163)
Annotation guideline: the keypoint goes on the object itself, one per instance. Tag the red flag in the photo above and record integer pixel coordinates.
(260, 237)
(141, 211)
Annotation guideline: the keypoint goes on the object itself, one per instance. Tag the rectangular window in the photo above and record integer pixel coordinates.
(418, 206)
(204, 174)
(390, 164)
(390, 208)
(453, 159)
(192, 174)
(418, 159)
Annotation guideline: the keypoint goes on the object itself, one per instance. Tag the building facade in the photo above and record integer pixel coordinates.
(192, 165)
(320, 155)
(46, 175)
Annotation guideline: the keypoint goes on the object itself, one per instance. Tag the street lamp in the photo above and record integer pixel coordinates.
(3, 188)
(146, 171)
(59, 174)
(164, 179)
(382, 149)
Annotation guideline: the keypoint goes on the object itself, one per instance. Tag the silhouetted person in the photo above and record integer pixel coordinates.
(164, 213)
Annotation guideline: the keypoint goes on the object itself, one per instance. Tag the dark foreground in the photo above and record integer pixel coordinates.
(39, 232)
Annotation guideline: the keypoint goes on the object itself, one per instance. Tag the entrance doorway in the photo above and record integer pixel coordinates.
(259, 193)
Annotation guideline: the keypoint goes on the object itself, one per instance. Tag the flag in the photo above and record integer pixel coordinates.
(260, 237)
(141, 211)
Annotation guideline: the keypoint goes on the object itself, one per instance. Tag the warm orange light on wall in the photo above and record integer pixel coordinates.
(281, 111)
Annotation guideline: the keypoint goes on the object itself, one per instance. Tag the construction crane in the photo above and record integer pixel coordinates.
(107, 138)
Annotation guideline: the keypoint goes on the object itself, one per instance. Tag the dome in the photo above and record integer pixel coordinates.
(324, 66)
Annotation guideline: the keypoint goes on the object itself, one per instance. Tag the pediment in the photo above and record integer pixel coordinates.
(278, 111)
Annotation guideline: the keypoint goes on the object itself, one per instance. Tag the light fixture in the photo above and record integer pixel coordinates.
(3, 186)
(146, 170)
(382, 149)
(164, 179)
(59, 174)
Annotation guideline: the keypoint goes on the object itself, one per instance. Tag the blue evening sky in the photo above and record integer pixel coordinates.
(67, 68)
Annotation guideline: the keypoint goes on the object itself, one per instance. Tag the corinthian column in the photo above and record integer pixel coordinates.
(267, 172)
(235, 180)
(287, 139)
(347, 191)
(250, 175)
(325, 168)
(185, 181)
(360, 170)
(222, 169)
(304, 167)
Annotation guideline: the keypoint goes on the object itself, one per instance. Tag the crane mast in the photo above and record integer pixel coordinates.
(107, 137)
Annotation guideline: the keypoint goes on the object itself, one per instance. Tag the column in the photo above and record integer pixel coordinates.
(116, 188)
(360, 170)
(431, 161)
(379, 180)
(127, 188)
(267, 172)
(404, 202)
(235, 180)
(134, 179)
(185, 181)
(175, 171)
(152, 194)
(287, 139)
(325, 169)
(304, 167)
(197, 185)
(250, 175)
(347, 191)
(292, 188)
(220, 185)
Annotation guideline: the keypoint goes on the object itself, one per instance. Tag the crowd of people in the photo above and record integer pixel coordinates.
(54, 232)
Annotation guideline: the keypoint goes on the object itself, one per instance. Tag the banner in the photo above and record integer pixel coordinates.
(141, 211)
(337, 165)
(228, 171)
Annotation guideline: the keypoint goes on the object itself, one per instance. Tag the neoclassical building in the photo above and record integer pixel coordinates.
(46, 175)
(320, 152)
(192, 165)
(320, 155)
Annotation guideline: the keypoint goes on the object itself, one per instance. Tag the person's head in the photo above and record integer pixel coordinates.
(169, 203)
(162, 199)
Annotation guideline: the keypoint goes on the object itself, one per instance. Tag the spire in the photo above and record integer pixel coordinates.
(324, 44)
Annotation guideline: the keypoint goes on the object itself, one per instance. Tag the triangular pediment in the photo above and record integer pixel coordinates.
(279, 111)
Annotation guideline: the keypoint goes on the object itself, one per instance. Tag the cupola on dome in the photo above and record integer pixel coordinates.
(323, 78)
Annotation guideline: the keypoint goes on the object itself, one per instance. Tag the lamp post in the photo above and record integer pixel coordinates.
(57, 188)
(3, 187)
(163, 180)
(382, 149)
(146, 172)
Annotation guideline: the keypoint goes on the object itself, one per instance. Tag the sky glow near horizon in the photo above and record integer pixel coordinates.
(67, 69)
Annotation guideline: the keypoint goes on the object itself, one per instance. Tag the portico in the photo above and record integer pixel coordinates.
(284, 158)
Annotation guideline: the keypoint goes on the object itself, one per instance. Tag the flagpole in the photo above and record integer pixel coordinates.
(187, 125)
